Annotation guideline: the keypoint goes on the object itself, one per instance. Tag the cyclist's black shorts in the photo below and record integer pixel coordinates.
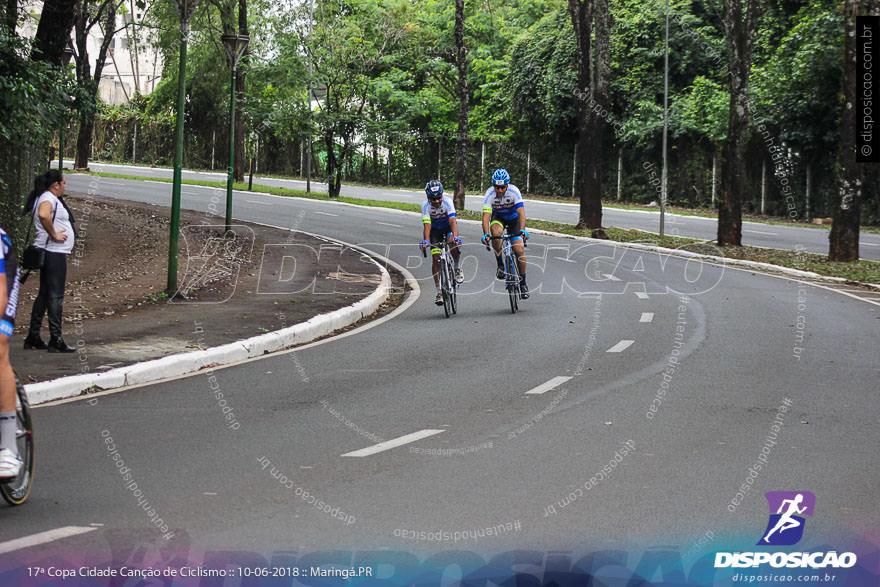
(511, 226)
(440, 235)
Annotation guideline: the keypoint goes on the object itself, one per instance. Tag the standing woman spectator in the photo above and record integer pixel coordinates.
(53, 222)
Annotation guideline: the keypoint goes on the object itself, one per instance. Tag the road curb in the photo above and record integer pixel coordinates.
(744, 263)
(191, 362)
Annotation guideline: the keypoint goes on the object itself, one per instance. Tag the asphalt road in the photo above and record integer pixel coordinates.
(814, 240)
(655, 385)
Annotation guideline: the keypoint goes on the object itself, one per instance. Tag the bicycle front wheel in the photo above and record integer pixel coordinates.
(512, 285)
(16, 490)
(444, 287)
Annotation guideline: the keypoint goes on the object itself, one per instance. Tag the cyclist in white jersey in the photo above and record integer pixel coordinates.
(10, 462)
(503, 209)
(438, 218)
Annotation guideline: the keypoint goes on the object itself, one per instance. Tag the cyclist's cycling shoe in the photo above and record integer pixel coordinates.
(459, 276)
(57, 345)
(10, 464)
(438, 299)
(523, 290)
(499, 273)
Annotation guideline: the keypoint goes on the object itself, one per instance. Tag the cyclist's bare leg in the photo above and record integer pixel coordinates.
(519, 252)
(453, 250)
(435, 269)
(7, 398)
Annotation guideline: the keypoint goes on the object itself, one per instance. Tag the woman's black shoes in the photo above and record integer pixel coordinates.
(34, 342)
(57, 345)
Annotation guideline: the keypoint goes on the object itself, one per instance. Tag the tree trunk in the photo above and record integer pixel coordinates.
(739, 33)
(53, 32)
(589, 125)
(84, 141)
(87, 80)
(844, 238)
(334, 175)
(461, 146)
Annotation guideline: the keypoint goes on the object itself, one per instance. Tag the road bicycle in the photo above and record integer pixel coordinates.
(448, 285)
(511, 269)
(16, 490)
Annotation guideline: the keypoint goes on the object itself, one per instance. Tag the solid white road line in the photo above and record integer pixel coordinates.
(647, 317)
(393, 443)
(258, 203)
(545, 387)
(641, 295)
(869, 244)
(389, 224)
(620, 347)
(566, 260)
(43, 538)
(324, 213)
(762, 232)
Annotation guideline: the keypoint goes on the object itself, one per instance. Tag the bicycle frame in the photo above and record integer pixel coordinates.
(448, 286)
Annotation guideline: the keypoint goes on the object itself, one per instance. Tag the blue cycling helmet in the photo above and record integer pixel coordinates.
(434, 189)
(500, 177)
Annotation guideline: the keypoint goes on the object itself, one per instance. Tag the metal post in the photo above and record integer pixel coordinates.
(574, 161)
(763, 186)
(171, 287)
(529, 169)
(229, 170)
(619, 171)
(61, 147)
(663, 193)
(309, 158)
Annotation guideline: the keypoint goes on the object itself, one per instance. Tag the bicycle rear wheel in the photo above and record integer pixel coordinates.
(16, 491)
(453, 287)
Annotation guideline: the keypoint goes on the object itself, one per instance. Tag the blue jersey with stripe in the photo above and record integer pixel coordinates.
(505, 206)
(438, 216)
(9, 270)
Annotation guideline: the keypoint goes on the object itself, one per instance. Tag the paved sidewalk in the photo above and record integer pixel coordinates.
(264, 280)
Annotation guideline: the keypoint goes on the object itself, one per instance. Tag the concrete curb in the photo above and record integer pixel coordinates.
(191, 362)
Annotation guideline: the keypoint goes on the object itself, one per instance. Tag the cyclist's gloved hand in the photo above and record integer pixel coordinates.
(456, 240)
(485, 238)
(423, 245)
(525, 235)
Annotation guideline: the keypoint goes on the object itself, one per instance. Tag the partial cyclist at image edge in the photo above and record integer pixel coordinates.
(10, 460)
(503, 209)
(438, 219)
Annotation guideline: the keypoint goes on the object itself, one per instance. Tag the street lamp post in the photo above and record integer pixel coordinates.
(66, 56)
(235, 46)
(185, 9)
(663, 192)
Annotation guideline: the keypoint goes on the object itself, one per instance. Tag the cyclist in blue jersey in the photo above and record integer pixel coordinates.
(10, 462)
(438, 218)
(503, 209)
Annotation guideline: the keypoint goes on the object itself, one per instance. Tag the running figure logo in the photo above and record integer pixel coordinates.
(786, 525)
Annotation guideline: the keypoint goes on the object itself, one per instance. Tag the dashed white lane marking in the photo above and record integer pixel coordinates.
(324, 213)
(621, 346)
(393, 443)
(869, 244)
(762, 232)
(647, 317)
(641, 295)
(258, 203)
(43, 538)
(389, 224)
(545, 387)
(610, 277)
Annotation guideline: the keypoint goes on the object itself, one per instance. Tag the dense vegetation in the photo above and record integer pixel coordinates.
(385, 78)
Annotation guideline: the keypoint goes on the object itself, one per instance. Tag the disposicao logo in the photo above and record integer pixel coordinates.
(785, 528)
(786, 525)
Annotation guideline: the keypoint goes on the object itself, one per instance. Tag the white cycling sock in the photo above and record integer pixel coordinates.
(7, 432)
